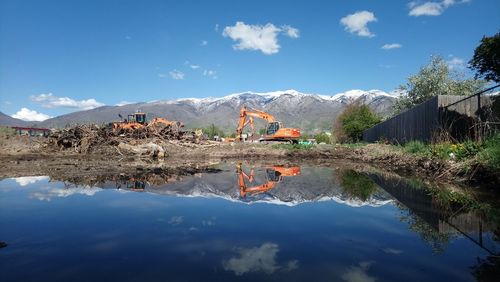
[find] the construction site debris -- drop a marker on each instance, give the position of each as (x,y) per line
(142,141)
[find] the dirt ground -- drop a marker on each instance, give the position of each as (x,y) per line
(22,156)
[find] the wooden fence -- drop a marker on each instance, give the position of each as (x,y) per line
(454,116)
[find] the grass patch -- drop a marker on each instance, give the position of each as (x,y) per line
(354,145)
(490,154)
(416,147)
(293,147)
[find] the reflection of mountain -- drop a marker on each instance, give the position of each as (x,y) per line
(313,185)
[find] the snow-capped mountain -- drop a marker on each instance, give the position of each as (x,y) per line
(307,111)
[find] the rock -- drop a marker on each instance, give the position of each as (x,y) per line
(150,149)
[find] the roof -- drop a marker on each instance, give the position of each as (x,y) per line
(29,128)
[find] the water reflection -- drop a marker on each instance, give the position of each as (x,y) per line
(258,259)
(344,222)
(274,175)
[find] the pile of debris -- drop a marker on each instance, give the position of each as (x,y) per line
(92,138)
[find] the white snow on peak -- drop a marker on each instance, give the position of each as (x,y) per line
(351,95)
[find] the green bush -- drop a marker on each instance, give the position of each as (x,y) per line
(466,150)
(323,138)
(416,147)
(442,150)
(490,155)
(351,123)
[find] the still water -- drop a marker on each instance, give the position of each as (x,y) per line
(242,222)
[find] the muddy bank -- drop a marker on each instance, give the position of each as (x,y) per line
(22,156)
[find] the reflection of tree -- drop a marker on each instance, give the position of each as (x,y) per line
(357,185)
(428,234)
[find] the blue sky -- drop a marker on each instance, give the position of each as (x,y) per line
(62,56)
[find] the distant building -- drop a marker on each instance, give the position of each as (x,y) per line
(31,131)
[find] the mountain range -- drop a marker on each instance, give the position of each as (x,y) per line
(310,112)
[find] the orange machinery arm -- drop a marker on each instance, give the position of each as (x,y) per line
(244,190)
(244,113)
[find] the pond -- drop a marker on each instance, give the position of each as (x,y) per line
(244,222)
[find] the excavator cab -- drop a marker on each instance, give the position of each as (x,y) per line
(137,117)
(273,175)
(272,128)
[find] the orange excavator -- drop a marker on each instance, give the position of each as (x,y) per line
(274,129)
(274,175)
(138,120)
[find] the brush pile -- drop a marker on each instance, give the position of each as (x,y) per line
(91,138)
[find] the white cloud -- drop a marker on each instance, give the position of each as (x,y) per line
(430,8)
(257,259)
(204,43)
(195,67)
(26,180)
(177,75)
(29,115)
(290,31)
(162,75)
(455,63)
(391,46)
(427,9)
(357,23)
(216,28)
(258,37)
(210,73)
(359,273)
(51,101)
(47,194)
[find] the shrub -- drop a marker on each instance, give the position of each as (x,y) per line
(416,147)
(465,150)
(323,138)
(442,150)
(490,155)
(351,123)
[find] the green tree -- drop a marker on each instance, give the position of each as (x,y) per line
(323,138)
(434,79)
(353,120)
(486,59)
(213,130)
(262,131)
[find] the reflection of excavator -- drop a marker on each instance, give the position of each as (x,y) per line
(138,120)
(274,175)
(274,129)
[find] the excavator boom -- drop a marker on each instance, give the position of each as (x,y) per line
(274,174)
(274,130)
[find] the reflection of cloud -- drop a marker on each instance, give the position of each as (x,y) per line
(176,220)
(291,265)
(48,194)
(257,259)
(392,251)
(25,180)
(358,273)
(209,222)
